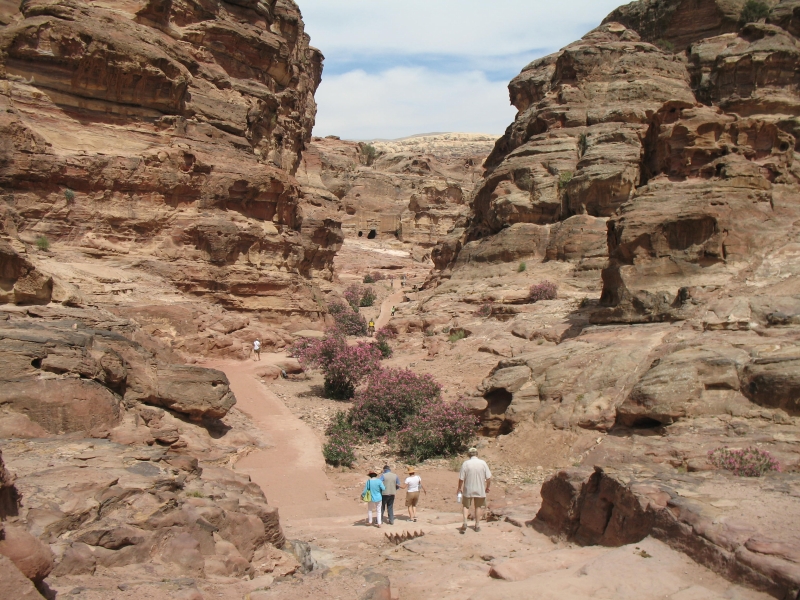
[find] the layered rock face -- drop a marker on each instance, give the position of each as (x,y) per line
(167,134)
(415,189)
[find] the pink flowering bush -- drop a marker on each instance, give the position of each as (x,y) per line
(439,429)
(343,366)
(389,399)
(353,295)
(750,462)
(544,290)
(348,321)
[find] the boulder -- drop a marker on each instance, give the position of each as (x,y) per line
(13,584)
(32,557)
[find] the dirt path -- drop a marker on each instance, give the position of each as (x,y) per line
(386,306)
(292,470)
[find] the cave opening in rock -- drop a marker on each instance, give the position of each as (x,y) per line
(371,235)
(360,234)
(645,423)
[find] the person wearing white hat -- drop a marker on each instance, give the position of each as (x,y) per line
(474,481)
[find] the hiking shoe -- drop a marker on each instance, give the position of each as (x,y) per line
(462,529)
(477,528)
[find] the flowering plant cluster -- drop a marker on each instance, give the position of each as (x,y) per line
(374,277)
(750,462)
(485,309)
(439,429)
(343,366)
(389,399)
(544,290)
(348,321)
(357,295)
(382,337)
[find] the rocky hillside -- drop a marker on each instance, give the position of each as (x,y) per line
(164,136)
(150,215)
(415,190)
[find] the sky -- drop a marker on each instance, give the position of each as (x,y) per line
(395,68)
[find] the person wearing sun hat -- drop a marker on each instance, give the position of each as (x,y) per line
(375,487)
(413,486)
(475,480)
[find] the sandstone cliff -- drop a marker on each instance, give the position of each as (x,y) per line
(166,135)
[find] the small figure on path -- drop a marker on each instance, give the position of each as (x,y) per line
(375,487)
(371,327)
(394,308)
(391,482)
(474,481)
(257,349)
(413,486)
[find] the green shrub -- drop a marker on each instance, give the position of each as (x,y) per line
(348,321)
(42,243)
(382,337)
(564,178)
(665,45)
(69,195)
(485,310)
(521,268)
(430,332)
(368,278)
(338,450)
(752,11)
(458,334)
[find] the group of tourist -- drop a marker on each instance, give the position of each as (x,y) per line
(474,483)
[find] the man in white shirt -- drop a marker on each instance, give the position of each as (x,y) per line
(474,481)
(257,349)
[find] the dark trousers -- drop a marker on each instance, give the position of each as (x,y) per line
(387,505)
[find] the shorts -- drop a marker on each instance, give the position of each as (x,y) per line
(412,498)
(479,502)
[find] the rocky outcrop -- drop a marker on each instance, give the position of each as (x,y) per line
(415,189)
(167,134)
(20,281)
(607,507)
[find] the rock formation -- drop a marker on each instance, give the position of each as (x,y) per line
(166,135)
(414,189)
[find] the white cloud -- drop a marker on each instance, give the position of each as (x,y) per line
(402,101)
(400,67)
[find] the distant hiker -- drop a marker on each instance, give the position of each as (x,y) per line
(394,308)
(283,374)
(474,480)
(372,496)
(257,349)
(413,486)
(391,482)
(371,327)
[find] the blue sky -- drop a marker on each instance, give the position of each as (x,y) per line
(398,67)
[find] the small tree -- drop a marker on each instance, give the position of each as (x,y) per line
(545,290)
(69,195)
(753,11)
(369,153)
(564,178)
(440,429)
(369,278)
(338,450)
(389,399)
(353,295)
(522,266)
(42,243)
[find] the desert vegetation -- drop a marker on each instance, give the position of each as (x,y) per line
(544,290)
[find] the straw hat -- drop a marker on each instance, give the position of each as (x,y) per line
(411,470)
(372,473)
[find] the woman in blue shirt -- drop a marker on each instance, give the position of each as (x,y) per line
(374,486)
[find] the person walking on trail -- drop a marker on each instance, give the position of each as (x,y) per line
(375,488)
(413,486)
(474,482)
(391,482)
(394,308)
(257,350)
(371,327)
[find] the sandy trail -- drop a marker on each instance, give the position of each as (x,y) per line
(386,306)
(292,470)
